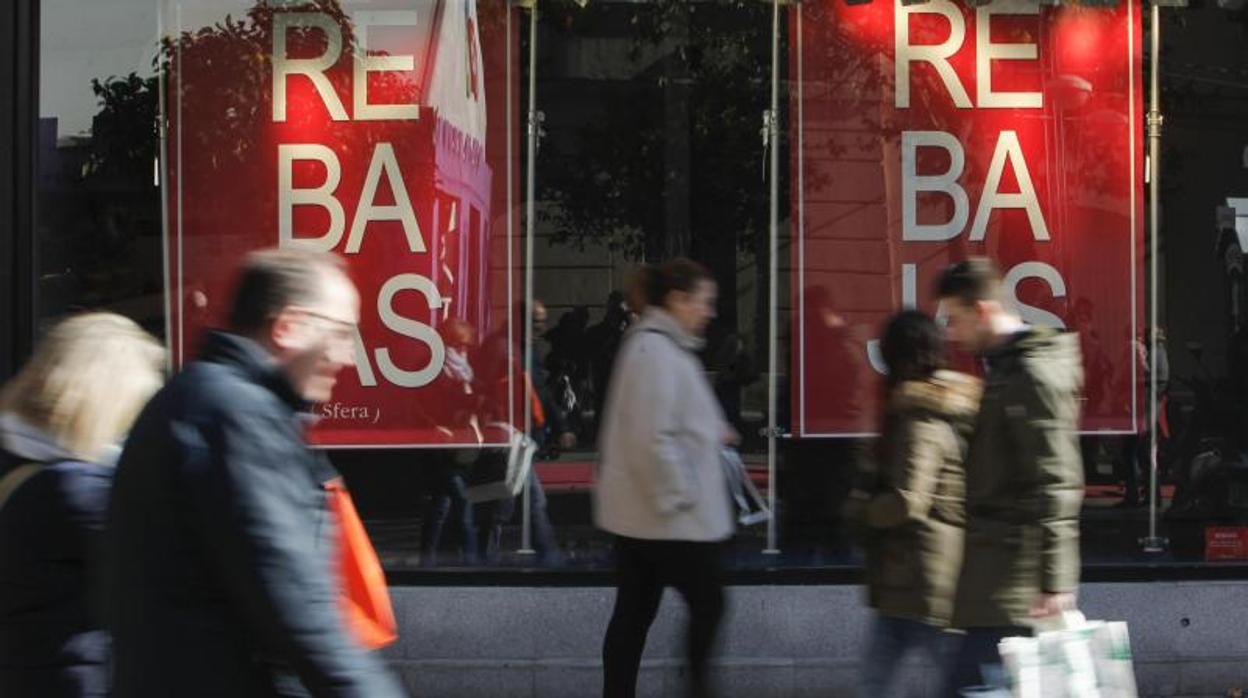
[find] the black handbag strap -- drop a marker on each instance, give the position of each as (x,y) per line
(15,478)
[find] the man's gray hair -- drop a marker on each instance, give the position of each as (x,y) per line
(272,280)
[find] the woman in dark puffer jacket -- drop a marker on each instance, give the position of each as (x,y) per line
(909,510)
(61,421)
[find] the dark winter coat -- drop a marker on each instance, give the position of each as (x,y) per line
(911,519)
(52,638)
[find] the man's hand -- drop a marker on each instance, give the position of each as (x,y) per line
(567,441)
(730,436)
(1048,605)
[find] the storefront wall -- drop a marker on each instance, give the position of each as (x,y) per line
(18,87)
(782,641)
(651,146)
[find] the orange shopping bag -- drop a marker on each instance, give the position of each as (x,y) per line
(365,597)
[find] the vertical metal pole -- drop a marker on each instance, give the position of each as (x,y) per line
(773,126)
(181,206)
(162,121)
(526,517)
(19,88)
(1153,543)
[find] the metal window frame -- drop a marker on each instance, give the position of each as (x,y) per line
(19,87)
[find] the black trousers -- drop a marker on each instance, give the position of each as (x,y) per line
(644,569)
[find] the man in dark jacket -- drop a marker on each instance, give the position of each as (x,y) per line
(1024,476)
(221,543)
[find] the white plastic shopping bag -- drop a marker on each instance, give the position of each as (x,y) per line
(500,472)
(750,505)
(1071,657)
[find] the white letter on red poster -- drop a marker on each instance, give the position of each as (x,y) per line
(986,52)
(288,197)
(312,68)
(368,211)
(936,54)
(912,183)
(412,329)
(1036,270)
(1008,148)
(365,64)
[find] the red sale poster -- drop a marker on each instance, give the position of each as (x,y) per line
(926,133)
(384,132)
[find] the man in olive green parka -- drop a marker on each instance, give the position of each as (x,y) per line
(1024,475)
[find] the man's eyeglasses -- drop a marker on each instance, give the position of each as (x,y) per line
(341,330)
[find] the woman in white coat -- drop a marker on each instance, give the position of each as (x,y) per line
(660,487)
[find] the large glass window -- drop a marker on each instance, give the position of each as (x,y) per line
(99,226)
(166,149)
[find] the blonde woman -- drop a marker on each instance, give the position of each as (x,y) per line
(61,421)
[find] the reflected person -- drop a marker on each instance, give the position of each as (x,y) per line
(548,420)
(455,402)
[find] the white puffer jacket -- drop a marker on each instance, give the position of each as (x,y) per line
(660,477)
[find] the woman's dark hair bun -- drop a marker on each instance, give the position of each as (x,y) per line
(652,284)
